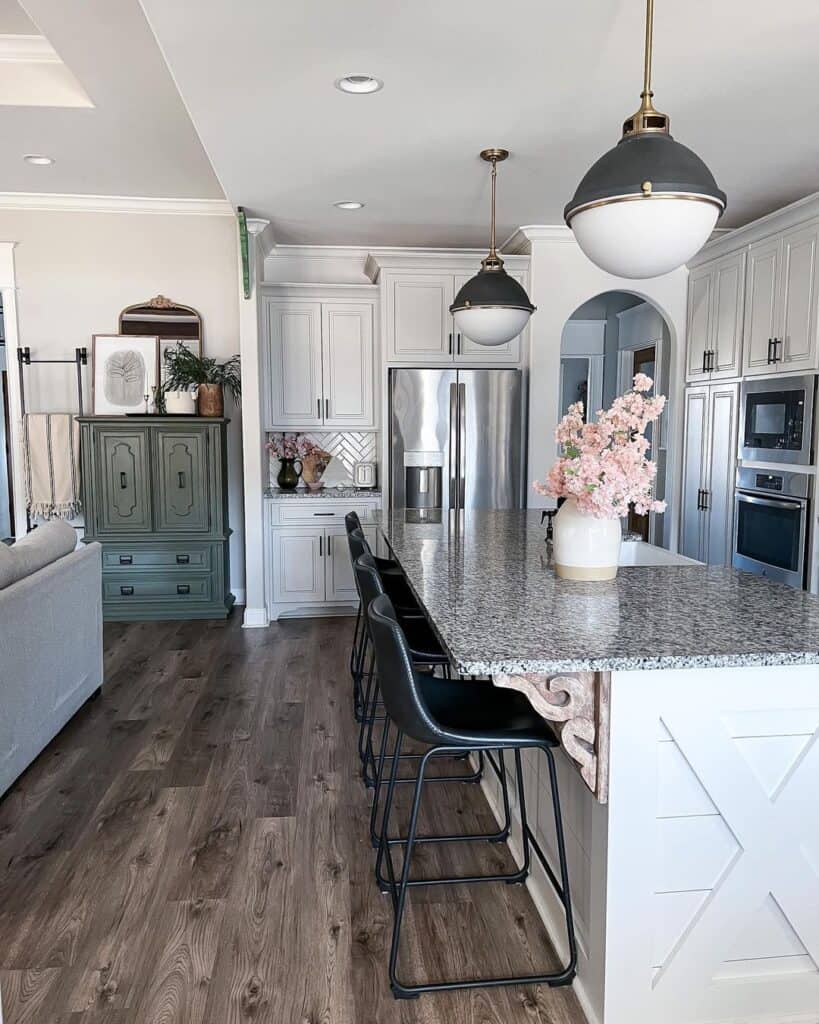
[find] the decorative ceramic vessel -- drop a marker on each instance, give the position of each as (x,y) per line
(312,470)
(585,548)
(288,478)
(180,403)
(211,400)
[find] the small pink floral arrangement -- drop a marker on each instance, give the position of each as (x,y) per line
(604,465)
(295,446)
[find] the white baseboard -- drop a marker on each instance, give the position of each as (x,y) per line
(255,618)
(548,906)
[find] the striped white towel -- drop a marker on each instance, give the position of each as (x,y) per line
(51,442)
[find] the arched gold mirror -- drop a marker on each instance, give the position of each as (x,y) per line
(162,318)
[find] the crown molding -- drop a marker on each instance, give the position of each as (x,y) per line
(256,225)
(733,239)
(547,233)
(60,202)
(27,49)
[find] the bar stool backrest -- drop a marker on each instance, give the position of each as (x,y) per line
(397,678)
(352,522)
(368,580)
(358,545)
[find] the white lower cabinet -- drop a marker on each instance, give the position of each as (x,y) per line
(308,565)
(709,470)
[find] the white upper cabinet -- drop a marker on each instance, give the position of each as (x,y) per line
(781,303)
(347,361)
(419,328)
(715,304)
(319,363)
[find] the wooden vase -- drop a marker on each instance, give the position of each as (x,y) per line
(210,400)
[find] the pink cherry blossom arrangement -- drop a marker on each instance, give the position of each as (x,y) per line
(295,446)
(604,465)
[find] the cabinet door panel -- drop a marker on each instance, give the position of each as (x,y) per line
(347,358)
(298,565)
(182,491)
(694,465)
(728,302)
(700,288)
(467,351)
(419,324)
(126,500)
(798,330)
(722,459)
(340,584)
(764,260)
(293,369)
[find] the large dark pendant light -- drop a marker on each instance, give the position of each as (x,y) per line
(649,204)
(492,307)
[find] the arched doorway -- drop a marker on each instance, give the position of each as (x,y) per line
(605,341)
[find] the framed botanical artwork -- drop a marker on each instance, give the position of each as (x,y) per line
(169,344)
(124,373)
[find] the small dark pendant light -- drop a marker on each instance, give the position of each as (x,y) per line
(492,307)
(649,204)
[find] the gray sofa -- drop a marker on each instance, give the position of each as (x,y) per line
(50,640)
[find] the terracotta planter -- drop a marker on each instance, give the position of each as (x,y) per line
(585,548)
(211,400)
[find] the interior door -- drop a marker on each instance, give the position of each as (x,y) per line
(347,364)
(490,438)
(467,351)
(126,497)
(298,565)
(419,324)
(723,405)
(181,491)
(764,259)
(695,441)
(797,349)
(293,364)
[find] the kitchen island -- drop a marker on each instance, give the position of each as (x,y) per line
(686,698)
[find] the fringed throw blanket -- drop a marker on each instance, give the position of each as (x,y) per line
(51,443)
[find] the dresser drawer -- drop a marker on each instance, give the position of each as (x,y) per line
(176,557)
(317,512)
(137,588)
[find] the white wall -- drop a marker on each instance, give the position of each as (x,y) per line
(562,279)
(75,271)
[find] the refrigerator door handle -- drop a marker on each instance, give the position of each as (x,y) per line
(453,446)
(461,445)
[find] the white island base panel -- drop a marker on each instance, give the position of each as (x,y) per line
(696,888)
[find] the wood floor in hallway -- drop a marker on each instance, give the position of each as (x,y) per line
(193,848)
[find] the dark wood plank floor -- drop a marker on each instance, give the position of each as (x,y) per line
(193,848)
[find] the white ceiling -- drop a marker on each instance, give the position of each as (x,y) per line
(550,81)
(136,140)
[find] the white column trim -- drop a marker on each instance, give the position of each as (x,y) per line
(8,288)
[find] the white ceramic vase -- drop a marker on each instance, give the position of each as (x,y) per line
(180,403)
(585,548)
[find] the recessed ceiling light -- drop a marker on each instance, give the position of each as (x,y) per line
(359,84)
(349,204)
(41,161)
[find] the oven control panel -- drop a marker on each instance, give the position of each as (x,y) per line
(768,482)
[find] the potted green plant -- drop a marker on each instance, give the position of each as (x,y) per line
(185,369)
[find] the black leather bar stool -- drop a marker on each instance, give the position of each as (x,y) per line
(446,715)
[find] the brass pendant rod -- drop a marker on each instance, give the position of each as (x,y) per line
(648,50)
(492,253)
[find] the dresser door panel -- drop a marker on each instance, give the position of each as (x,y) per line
(182,500)
(125,505)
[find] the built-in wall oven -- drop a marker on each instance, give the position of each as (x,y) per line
(771,524)
(777,420)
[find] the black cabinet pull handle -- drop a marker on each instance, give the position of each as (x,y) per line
(324,513)
(123,481)
(770,347)
(327,408)
(183,559)
(126,559)
(183,588)
(321,547)
(776,341)
(318,408)
(699,499)
(126,591)
(705,501)
(711,360)
(450,342)
(459,343)
(180,476)
(704,361)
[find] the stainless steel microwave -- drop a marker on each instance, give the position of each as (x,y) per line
(777,420)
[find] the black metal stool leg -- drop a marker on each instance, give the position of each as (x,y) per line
(564,891)
(384,846)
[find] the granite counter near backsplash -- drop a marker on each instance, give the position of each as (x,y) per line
(324,492)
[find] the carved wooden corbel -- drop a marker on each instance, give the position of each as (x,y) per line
(577,704)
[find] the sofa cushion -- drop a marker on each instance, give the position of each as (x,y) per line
(37,549)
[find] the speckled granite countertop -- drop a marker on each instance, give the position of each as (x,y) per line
(325,492)
(497,605)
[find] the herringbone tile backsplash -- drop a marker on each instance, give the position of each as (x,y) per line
(347,446)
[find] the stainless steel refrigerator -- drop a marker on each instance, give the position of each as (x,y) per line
(456,439)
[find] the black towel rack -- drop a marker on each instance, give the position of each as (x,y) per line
(24,359)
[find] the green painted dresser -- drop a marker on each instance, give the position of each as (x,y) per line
(155,497)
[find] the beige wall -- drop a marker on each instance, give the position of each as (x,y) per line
(76,271)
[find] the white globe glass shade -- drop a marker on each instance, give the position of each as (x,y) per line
(491,325)
(639,238)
